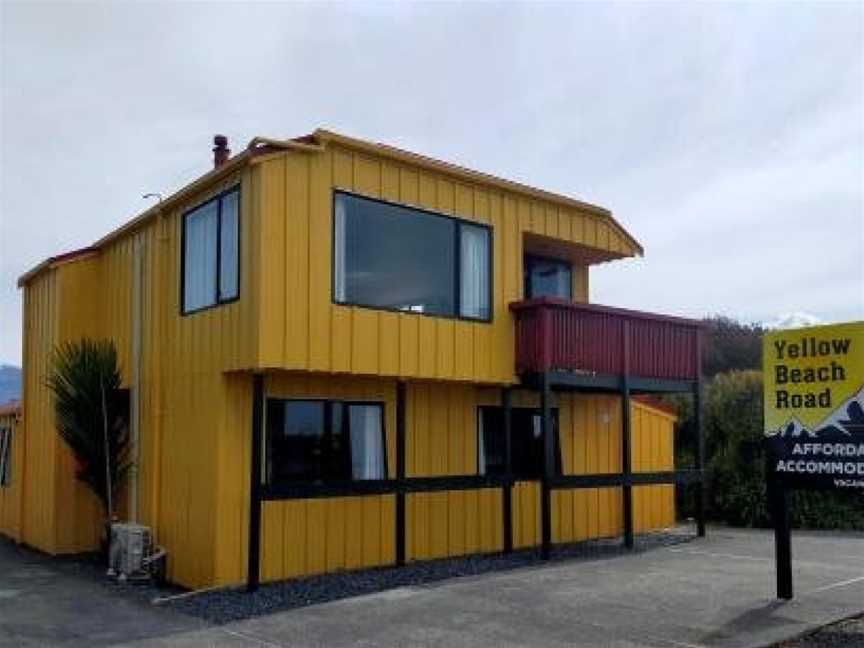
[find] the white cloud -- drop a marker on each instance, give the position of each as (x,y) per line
(727,137)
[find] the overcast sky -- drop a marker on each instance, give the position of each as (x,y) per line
(728,138)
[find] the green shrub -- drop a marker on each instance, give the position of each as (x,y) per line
(735,461)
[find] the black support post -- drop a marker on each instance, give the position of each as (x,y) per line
(626,462)
(700,457)
(626,437)
(400,472)
(548,467)
(253,571)
(507,488)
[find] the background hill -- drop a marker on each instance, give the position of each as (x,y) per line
(10,383)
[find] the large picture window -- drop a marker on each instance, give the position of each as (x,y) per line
(312,441)
(397,258)
(211,253)
(5,456)
(526,445)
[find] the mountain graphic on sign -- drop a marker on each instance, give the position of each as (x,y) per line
(791,429)
(847,419)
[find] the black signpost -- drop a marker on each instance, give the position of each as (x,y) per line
(779,502)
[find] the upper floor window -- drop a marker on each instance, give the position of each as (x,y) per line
(546,277)
(320,440)
(526,442)
(211,252)
(5,456)
(398,258)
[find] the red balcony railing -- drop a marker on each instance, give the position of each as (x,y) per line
(557,335)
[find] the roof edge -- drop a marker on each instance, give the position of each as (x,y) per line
(12,407)
(655,405)
(325,136)
(54,261)
(315,143)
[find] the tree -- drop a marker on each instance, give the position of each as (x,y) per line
(728,344)
(91,413)
(735,462)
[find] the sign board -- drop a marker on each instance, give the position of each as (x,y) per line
(814,406)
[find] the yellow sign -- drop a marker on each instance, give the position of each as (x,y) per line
(814,406)
(812,377)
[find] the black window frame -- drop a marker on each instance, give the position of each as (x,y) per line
(556,442)
(185,217)
(328,416)
(457,260)
(6,456)
(528,262)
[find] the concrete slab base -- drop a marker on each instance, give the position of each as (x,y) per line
(717,591)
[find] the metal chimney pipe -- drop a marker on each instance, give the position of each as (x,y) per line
(221,152)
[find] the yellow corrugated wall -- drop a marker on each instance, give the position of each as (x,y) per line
(79,513)
(192,412)
(313,536)
(590,444)
(188,407)
(10,496)
(305,331)
(38,526)
(653,451)
(194,387)
(441,439)
(303,537)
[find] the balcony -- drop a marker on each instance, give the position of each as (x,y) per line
(592,346)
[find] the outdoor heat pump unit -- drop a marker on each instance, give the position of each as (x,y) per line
(132,553)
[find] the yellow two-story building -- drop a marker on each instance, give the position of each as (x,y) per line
(341,355)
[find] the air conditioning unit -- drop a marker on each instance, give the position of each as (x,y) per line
(130,550)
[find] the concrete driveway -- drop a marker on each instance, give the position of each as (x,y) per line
(48,601)
(712,592)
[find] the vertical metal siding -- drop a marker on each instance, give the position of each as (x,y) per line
(313,536)
(40,334)
(195,398)
(301,329)
(10,495)
(185,440)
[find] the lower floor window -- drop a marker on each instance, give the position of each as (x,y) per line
(5,456)
(322,440)
(526,442)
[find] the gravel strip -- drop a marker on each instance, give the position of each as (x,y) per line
(844,634)
(227,605)
(224,606)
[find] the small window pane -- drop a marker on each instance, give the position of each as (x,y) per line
(526,442)
(367,443)
(547,278)
(5,456)
(199,281)
(296,432)
(492,460)
(474,268)
(229,253)
(313,441)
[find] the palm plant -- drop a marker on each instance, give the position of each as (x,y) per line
(91,414)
